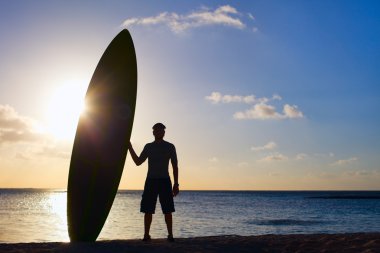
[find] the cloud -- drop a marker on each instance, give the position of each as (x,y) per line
(344,162)
(263,111)
(274,157)
(10,119)
(51,149)
(217,97)
(56,150)
(260,110)
(16,128)
(291,111)
(276,97)
(269,146)
(225,15)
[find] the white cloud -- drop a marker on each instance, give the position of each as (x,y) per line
(261,108)
(259,111)
(292,112)
(264,111)
(217,97)
(226,9)
(269,146)
(344,162)
(225,15)
(274,157)
(238,99)
(16,128)
(10,119)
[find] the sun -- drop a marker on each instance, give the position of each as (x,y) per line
(65,106)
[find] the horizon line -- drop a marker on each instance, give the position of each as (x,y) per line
(208,190)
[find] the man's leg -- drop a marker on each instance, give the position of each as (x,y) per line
(169,223)
(167,205)
(147,223)
(148,205)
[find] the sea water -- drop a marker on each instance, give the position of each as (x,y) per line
(28,215)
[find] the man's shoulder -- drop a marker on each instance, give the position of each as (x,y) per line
(162,144)
(149,144)
(169,144)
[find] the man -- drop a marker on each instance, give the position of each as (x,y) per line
(158,181)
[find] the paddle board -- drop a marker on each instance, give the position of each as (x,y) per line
(101,140)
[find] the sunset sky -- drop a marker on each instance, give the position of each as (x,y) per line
(256,95)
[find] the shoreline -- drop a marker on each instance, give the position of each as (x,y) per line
(350,242)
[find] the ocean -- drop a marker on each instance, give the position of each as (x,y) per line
(31,215)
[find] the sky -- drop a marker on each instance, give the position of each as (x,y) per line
(255,95)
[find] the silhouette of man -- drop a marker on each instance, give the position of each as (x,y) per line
(158,181)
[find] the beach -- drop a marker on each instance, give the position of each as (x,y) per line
(353,242)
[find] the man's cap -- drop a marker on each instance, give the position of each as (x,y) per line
(158,126)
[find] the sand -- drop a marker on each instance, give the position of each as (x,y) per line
(359,242)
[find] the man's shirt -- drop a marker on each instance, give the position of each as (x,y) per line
(159,154)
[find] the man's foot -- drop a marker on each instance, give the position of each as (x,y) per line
(146,238)
(170,238)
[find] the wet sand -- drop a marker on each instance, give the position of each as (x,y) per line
(360,242)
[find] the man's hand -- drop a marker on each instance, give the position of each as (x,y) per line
(175,190)
(138,161)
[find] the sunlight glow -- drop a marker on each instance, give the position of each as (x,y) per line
(57,206)
(65,107)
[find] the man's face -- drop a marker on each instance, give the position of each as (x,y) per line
(159,133)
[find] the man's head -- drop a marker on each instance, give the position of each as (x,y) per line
(159,131)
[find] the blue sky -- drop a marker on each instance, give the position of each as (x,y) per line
(255,94)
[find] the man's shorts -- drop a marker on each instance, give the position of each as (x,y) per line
(161,188)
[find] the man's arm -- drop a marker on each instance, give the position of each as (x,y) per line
(175,175)
(138,160)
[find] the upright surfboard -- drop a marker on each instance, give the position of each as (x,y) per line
(101,141)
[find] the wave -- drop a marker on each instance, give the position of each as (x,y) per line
(284,222)
(346,197)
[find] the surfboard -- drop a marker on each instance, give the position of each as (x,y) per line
(101,141)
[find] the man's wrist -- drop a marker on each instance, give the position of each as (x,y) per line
(176,184)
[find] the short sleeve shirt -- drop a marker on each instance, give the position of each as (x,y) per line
(159,154)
